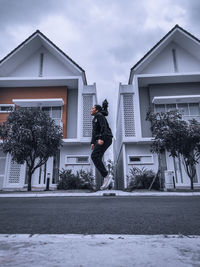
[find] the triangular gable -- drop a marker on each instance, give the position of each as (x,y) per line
(29,47)
(51,66)
(164,63)
(177,35)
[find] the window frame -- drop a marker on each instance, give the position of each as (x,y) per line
(188,106)
(151,162)
(6,105)
(76,162)
(50,113)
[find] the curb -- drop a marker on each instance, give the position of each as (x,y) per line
(112,193)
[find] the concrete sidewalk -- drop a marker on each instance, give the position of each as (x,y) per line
(99,250)
(75,193)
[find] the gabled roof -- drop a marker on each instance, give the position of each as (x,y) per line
(152,50)
(36,33)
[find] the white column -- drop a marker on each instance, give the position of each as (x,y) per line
(80,110)
(124,165)
(136,101)
(122,110)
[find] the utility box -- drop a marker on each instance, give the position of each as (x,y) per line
(169,180)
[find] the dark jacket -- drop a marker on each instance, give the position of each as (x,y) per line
(100,128)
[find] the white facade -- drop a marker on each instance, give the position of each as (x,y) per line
(37,62)
(167,76)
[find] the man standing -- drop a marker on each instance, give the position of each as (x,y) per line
(101,140)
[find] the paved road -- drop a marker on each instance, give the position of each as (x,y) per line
(100,215)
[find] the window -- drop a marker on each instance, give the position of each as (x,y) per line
(82,159)
(47,110)
(187,109)
(74,160)
(55,113)
(170,107)
(159,108)
(141,159)
(71,160)
(6,108)
(135,159)
(194,108)
(183,108)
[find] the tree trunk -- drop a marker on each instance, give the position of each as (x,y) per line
(192,175)
(191,172)
(29,180)
(162,166)
(191,183)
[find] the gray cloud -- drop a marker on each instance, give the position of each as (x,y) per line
(25,11)
(128,49)
(192,15)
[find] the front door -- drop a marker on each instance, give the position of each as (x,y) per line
(2,168)
(181,177)
(178,171)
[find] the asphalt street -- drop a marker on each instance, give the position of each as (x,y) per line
(100,215)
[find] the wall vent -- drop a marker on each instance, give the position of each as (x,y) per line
(87,118)
(14,173)
(129,127)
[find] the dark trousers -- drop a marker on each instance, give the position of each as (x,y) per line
(98,153)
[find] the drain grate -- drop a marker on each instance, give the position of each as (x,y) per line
(109,194)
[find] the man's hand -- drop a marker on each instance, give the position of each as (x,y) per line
(92,146)
(100,142)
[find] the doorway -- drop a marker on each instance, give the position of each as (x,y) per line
(178,170)
(2,168)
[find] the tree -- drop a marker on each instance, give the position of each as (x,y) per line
(31,136)
(177,136)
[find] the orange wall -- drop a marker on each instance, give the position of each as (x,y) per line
(7,94)
(3,117)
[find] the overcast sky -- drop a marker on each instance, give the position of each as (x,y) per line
(105,37)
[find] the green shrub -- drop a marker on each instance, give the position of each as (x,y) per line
(86,179)
(81,180)
(67,180)
(141,179)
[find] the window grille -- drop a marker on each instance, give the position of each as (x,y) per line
(14,173)
(129,126)
(187,109)
(87,118)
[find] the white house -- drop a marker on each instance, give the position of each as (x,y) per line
(167,77)
(38,73)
